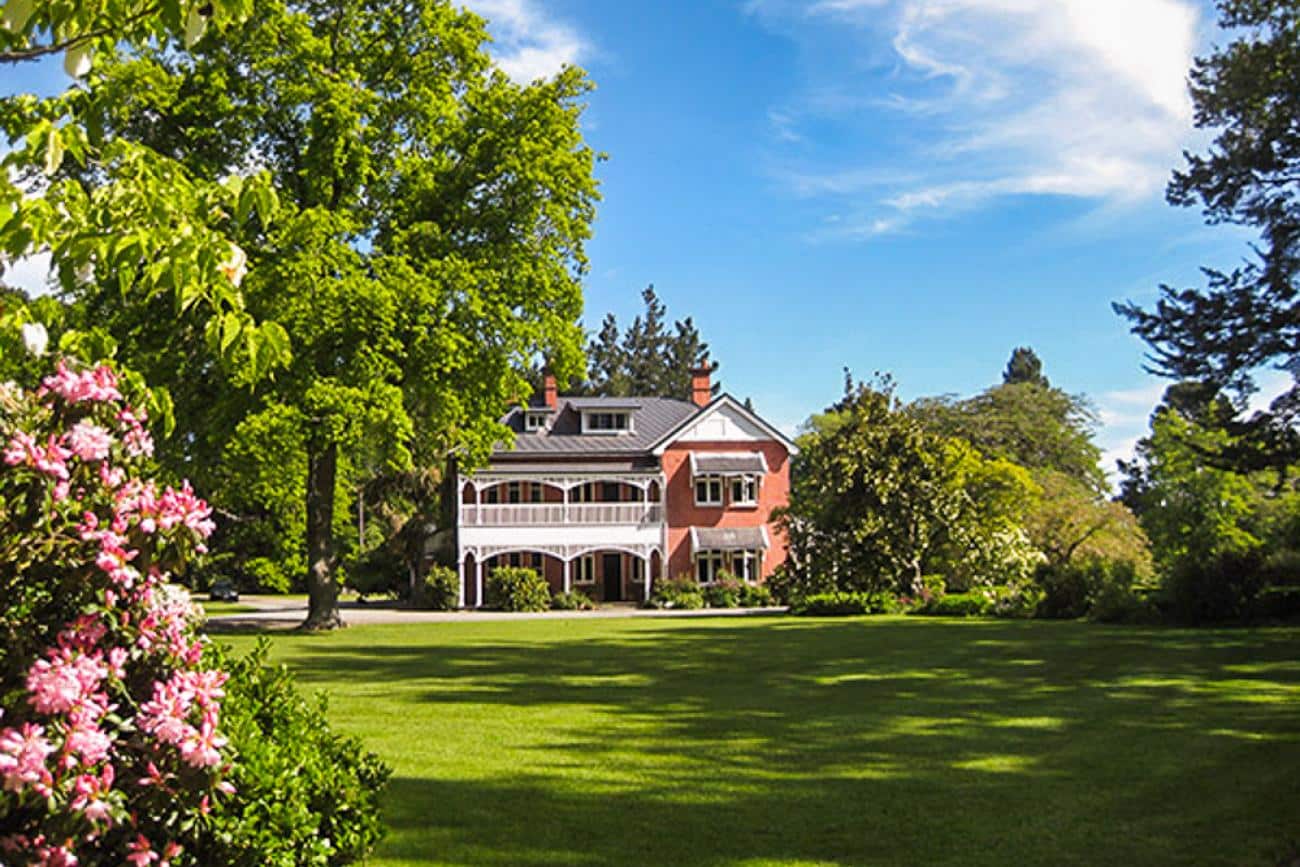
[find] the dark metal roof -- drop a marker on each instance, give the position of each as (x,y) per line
(728,538)
(652,417)
(530,466)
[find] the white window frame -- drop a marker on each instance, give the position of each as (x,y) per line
(740,483)
(590,425)
(514,493)
(752,560)
(534,421)
(586,571)
(717,561)
(713,482)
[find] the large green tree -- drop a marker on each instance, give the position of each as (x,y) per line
(878,500)
(427,242)
(1247,318)
(1038,427)
(119,209)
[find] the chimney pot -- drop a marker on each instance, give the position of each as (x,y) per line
(549,391)
(701,386)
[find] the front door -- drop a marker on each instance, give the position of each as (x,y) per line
(612,569)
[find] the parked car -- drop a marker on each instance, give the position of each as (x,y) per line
(223,591)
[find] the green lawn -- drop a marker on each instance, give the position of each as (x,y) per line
(219,609)
(782,741)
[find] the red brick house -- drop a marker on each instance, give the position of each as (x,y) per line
(607,495)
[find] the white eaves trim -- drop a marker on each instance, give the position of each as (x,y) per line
(722,400)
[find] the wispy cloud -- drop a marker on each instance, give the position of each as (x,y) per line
(529,43)
(994,98)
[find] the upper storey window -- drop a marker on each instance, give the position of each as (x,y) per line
(535,421)
(606,422)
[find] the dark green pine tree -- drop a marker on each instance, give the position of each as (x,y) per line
(1024,366)
(686,349)
(645,345)
(647,360)
(606,362)
(1248,318)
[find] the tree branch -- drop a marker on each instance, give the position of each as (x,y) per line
(24,54)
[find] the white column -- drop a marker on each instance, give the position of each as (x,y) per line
(566,576)
(460,584)
(478,582)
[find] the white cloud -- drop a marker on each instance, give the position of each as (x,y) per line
(527,43)
(1077,98)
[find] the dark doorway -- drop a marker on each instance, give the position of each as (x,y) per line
(612,569)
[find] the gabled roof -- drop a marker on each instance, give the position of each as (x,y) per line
(719,402)
(656,423)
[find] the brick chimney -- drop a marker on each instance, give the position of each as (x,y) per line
(701,387)
(550,394)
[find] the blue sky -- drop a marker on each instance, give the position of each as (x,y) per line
(912,186)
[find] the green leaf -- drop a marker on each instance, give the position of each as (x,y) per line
(53,150)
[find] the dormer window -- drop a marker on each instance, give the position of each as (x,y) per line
(535,421)
(605,422)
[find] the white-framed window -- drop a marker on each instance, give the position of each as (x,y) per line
(607,422)
(744,564)
(586,569)
(534,421)
(513,492)
(638,569)
(707,566)
(708,491)
(744,491)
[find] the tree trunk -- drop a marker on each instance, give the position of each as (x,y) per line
(322,586)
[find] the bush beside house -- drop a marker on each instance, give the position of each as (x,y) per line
(515,589)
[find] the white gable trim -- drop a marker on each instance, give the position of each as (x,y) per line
(717,404)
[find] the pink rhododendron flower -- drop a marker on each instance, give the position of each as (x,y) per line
(90,792)
(135,438)
(98,384)
(21,449)
(63,680)
(22,758)
(87,740)
(88,441)
(141,853)
(111,477)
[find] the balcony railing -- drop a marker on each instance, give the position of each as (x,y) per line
(534,514)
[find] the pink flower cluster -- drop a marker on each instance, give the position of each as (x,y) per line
(135,438)
(89,441)
(167,715)
(69,749)
(99,384)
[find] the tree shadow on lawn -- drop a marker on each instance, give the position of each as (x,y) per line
(879,741)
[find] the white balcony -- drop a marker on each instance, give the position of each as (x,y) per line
(561,514)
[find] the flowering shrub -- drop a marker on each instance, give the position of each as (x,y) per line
(113,748)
